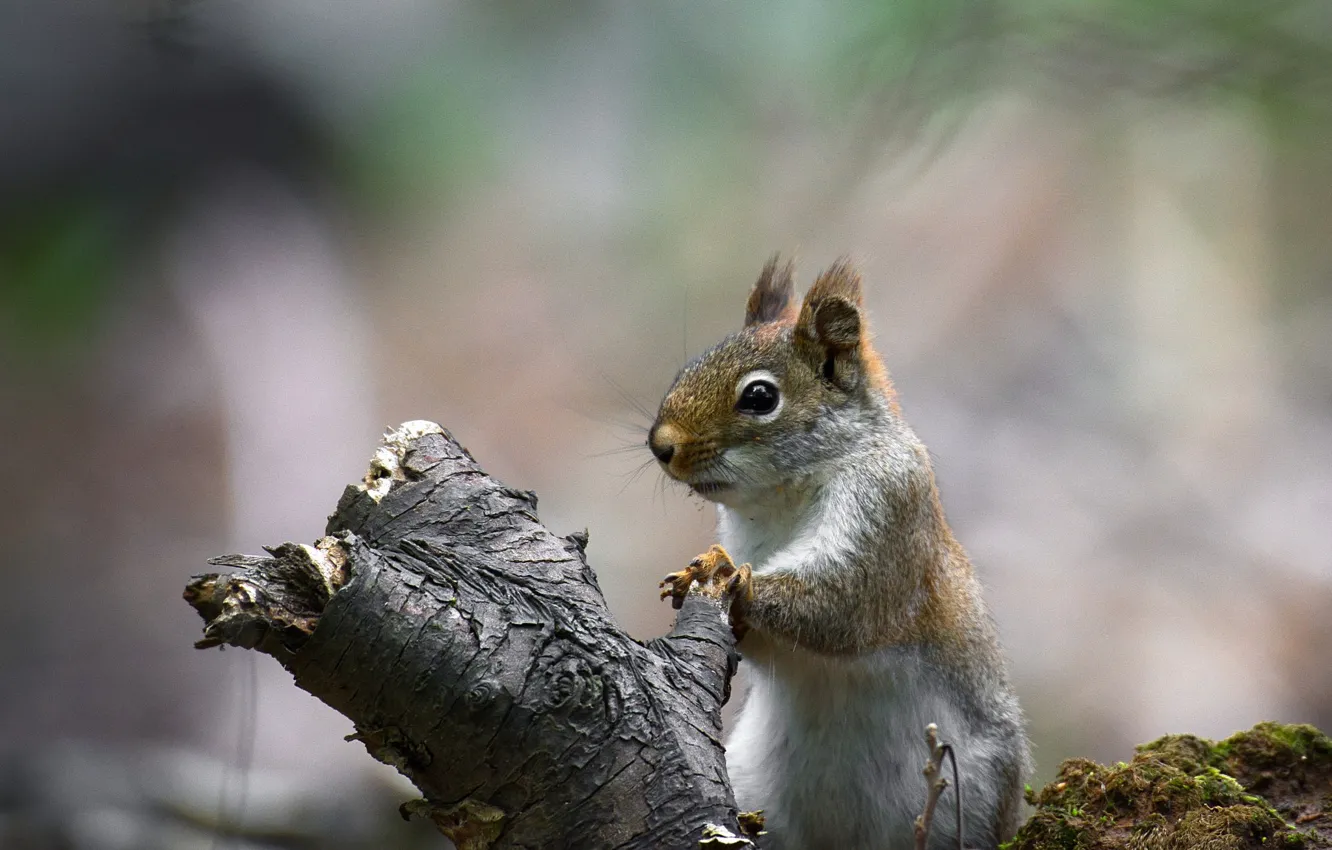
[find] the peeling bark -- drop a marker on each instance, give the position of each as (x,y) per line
(474,652)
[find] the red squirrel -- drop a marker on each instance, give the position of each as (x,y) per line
(860,616)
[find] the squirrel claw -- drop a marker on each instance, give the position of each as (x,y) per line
(676,587)
(705,570)
(716,575)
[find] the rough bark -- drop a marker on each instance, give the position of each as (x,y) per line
(474,652)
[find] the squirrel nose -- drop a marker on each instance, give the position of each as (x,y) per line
(662,449)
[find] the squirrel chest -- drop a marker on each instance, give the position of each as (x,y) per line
(753,528)
(818,733)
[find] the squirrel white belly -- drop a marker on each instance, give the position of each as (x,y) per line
(862,620)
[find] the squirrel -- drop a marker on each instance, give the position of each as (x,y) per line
(861,620)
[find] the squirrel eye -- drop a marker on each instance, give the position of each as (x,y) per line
(758,397)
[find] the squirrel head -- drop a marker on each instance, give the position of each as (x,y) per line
(781,400)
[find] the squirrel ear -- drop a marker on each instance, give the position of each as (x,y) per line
(773,295)
(830,317)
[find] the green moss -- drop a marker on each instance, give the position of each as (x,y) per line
(1182,791)
(1187,752)
(1273,745)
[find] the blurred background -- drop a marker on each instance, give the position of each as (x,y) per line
(238,239)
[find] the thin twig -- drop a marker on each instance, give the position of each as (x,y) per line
(936,784)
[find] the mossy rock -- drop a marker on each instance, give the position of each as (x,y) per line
(1269,787)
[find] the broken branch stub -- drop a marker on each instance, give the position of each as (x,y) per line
(474,652)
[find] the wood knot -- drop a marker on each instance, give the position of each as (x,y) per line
(576,688)
(480,695)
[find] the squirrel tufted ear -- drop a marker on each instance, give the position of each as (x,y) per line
(830,316)
(773,295)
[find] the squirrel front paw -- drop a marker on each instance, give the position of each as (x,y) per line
(710,571)
(717,577)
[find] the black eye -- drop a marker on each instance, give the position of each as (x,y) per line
(758,397)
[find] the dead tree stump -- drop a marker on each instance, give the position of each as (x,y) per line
(474,652)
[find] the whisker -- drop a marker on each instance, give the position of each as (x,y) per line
(633,475)
(623,426)
(662,481)
(630,426)
(630,448)
(634,404)
(605,418)
(734,472)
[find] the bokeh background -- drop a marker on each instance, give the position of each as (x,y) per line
(239,238)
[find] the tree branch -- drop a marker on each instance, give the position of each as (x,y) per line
(474,652)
